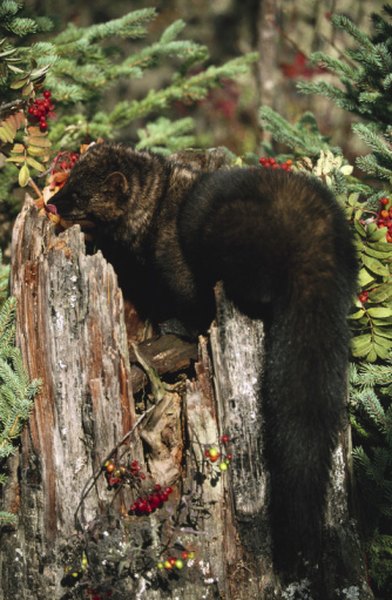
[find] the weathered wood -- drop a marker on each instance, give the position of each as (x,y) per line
(167,354)
(72,334)
(237,351)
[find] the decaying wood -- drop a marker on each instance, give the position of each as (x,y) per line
(167,354)
(73,336)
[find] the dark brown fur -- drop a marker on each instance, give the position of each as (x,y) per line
(282,247)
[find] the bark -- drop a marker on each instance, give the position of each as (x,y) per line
(71,528)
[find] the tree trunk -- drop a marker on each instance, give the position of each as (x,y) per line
(75,538)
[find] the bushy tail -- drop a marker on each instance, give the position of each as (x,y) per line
(304,394)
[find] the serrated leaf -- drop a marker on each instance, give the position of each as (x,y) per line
(16,159)
(385,332)
(386,322)
(5,135)
(361,345)
(381,293)
(358,314)
(18,149)
(382,341)
(375,253)
(19,83)
(14,69)
(382,246)
(360,229)
(42,141)
(353,198)
(372,355)
(24,176)
(364,278)
(378,234)
(38,73)
(6,53)
(381,351)
(380,312)
(374,265)
(33,130)
(35,164)
(35,151)
(9,128)
(28,89)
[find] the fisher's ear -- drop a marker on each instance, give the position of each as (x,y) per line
(116,182)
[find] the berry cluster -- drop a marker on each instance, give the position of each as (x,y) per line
(40,110)
(176,562)
(269,162)
(64,161)
(363,297)
(116,475)
(145,505)
(214,454)
(384,217)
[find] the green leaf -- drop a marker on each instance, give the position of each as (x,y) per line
(365,278)
(5,134)
(379,234)
(19,83)
(360,229)
(381,351)
(35,164)
(35,151)
(382,247)
(16,159)
(358,314)
(375,253)
(381,293)
(374,265)
(24,176)
(372,355)
(385,332)
(38,140)
(361,345)
(382,341)
(380,312)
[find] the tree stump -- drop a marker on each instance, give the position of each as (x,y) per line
(75,538)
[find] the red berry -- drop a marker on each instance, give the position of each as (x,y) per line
(384,201)
(363,296)
(47,93)
(225,439)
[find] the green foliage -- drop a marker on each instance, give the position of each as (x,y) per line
(371,388)
(365,74)
(365,71)
(164,137)
(303,138)
(80,66)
